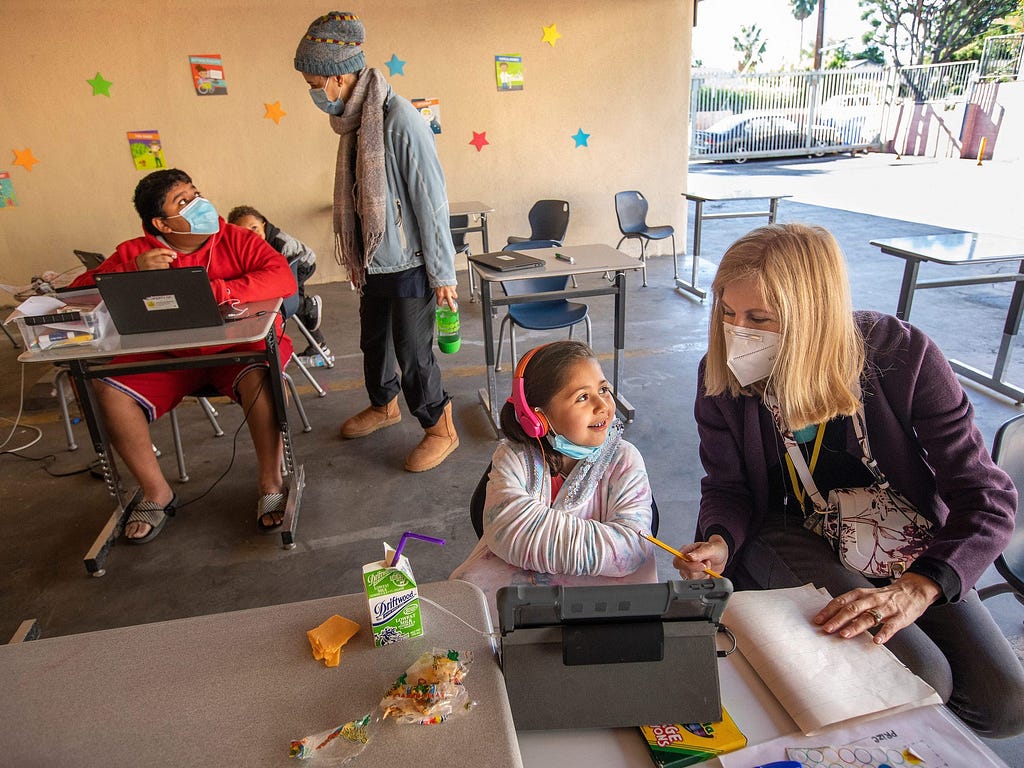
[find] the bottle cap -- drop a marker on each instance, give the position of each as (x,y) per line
(449,347)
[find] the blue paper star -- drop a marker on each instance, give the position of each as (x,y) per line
(395,65)
(581,138)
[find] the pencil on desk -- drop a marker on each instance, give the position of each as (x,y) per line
(677,553)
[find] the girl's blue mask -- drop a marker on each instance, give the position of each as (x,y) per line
(319,96)
(201,217)
(573,451)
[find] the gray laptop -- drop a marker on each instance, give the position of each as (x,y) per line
(159,300)
(507,261)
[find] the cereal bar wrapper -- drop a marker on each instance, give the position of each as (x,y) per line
(335,746)
(431,690)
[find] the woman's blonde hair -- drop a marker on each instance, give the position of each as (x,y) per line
(801,274)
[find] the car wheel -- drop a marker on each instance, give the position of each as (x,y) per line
(819,149)
(742,151)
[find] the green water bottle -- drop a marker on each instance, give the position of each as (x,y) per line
(448,338)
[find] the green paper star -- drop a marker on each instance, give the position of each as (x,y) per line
(100,87)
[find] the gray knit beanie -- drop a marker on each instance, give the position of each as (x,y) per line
(333,45)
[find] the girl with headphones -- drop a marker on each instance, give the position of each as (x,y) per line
(566,493)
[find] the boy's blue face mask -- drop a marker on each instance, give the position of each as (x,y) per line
(319,96)
(571,449)
(201,217)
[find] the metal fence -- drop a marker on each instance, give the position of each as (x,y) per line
(1002,58)
(739,116)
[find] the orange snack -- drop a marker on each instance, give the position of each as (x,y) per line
(328,639)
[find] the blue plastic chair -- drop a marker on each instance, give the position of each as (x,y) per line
(1008,453)
(539,315)
(549,220)
(631,211)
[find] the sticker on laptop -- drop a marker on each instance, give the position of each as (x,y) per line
(166,301)
(506,258)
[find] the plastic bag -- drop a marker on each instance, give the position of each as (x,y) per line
(431,690)
(337,745)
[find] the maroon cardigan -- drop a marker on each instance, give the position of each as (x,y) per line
(922,433)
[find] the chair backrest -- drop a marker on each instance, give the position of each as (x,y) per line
(1008,453)
(549,220)
(459,238)
(476,506)
(536,285)
(525,245)
(631,211)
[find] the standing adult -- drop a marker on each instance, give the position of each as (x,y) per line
(391,231)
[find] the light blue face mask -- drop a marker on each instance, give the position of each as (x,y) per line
(201,217)
(319,96)
(573,451)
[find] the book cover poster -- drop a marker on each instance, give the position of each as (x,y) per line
(7,196)
(147,151)
(508,71)
(208,75)
(430,110)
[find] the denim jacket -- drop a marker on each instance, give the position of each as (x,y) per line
(418,228)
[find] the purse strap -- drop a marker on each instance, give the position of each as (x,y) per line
(800,464)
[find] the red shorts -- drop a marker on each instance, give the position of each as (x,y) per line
(160,391)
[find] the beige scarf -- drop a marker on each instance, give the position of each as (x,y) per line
(360,181)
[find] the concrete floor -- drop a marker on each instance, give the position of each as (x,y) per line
(209,559)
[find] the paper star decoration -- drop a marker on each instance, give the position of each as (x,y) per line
(581,138)
(550,35)
(479,140)
(395,65)
(25,158)
(100,87)
(274,112)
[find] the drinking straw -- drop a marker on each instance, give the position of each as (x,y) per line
(410,535)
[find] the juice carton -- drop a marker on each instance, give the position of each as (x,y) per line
(392,599)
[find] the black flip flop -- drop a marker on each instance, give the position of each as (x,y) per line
(152,514)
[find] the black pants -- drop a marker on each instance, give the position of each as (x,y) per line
(398,335)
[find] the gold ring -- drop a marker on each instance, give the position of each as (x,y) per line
(874,614)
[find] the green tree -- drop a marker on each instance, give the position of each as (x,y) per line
(801,10)
(750,46)
(929,31)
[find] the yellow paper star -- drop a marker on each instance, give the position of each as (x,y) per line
(274,112)
(25,158)
(550,35)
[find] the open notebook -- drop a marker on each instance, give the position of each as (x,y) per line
(821,680)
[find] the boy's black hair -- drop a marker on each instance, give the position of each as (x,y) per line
(151,193)
(245,210)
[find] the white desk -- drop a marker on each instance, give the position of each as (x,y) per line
(87,362)
(587,259)
(236,688)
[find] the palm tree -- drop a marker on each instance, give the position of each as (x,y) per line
(801,10)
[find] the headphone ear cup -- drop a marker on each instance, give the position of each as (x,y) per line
(542,424)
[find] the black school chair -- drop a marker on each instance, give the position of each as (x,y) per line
(1008,453)
(549,220)
(631,211)
(476,506)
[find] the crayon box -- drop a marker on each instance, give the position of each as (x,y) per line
(677,745)
(392,599)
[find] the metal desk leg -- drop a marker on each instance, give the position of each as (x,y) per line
(296,478)
(489,397)
(906,300)
(628,411)
(691,287)
(773,210)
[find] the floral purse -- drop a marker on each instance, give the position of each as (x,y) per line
(876,531)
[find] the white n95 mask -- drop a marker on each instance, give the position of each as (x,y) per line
(750,354)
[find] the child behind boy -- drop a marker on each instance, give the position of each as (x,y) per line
(301,259)
(566,494)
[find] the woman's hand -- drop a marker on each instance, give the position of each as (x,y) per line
(446,294)
(158,258)
(712,554)
(890,608)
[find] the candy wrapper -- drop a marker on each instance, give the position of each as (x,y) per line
(336,746)
(430,691)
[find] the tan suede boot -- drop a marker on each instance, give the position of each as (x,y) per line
(438,442)
(371,419)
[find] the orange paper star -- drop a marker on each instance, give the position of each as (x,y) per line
(25,158)
(274,112)
(479,140)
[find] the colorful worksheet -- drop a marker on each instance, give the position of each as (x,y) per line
(208,74)
(7,197)
(147,151)
(508,71)
(430,110)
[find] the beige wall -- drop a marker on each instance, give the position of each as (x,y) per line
(620,72)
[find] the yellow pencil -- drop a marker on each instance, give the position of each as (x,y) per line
(677,553)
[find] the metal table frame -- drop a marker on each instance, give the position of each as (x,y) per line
(92,362)
(958,249)
(588,259)
(473,208)
(699,217)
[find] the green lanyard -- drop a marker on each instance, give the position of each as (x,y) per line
(797,490)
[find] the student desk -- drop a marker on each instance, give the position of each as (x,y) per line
(957,249)
(473,208)
(587,259)
(699,217)
(235,689)
(87,362)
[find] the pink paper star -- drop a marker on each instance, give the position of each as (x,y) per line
(479,140)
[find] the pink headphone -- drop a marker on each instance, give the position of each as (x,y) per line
(533,422)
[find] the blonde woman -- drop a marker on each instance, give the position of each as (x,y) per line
(787,353)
